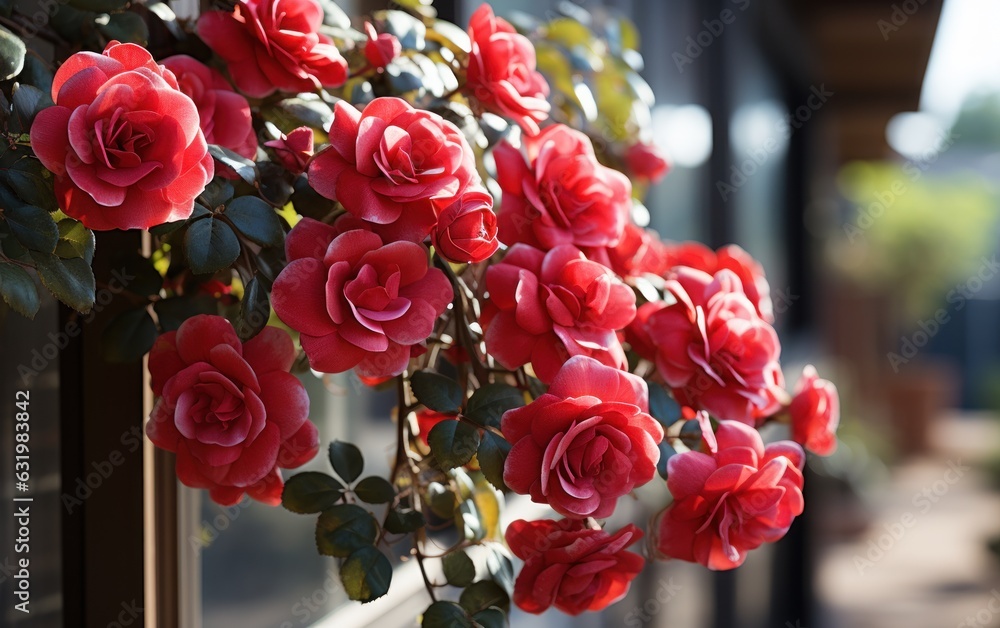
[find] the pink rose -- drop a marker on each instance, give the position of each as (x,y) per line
(645,161)
(294,150)
(124,143)
(466,231)
(381,48)
(584,443)
(731,500)
(571,566)
(713,349)
(544,308)
(274,45)
(560,194)
(731,257)
(225,115)
(231,411)
(501,75)
(393,166)
(815,412)
(357,301)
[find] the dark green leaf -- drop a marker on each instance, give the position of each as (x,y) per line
(437,392)
(145,279)
(27,101)
(491,617)
(29,180)
(344,528)
(453,443)
(500,566)
(70,280)
(444,614)
(308,201)
(366,574)
(175,310)
(255,310)
(33,227)
(12,53)
(483,595)
(489,402)
(308,110)
(375,490)
(403,522)
(217,193)
(167,228)
(128,336)
(459,569)
(36,74)
(347,460)
(311,491)
(256,220)
(125,27)
(75,240)
(18,290)
(666,451)
(690,434)
(99,6)
(442,501)
(408,30)
(492,454)
(211,245)
(662,406)
(245,168)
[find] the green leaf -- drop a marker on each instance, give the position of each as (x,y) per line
(491,617)
(366,574)
(128,336)
(12,53)
(437,392)
(256,220)
(125,27)
(445,614)
(491,455)
(310,492)
(18,290)
(175,310)
(483,595)
(217,193)
(662,406)
(345,528)
(33,227)
(32,183)
(666,451)
(308,201)
(453,443)
(308,110)
(255,310)
(459,569)
(167,228)
(375,490)
(245,168)
(489,402)
(347,460)
(210,245)
(690,434)
(28,101)
(146,280)
(75,240)
(402,522)
(70,280)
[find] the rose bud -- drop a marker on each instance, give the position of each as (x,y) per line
(815,412)
(645,161)
(381,48)
(466,231)
(294,150)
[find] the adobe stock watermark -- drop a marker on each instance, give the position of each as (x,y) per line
(211,530)
(898,17)
(131,614)
(923,502)
(785,126)
(714,28)
(307,607)
(641,615)
(984,616)
(910,346)
(131,441)
(913,170)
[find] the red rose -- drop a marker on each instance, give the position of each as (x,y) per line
(466,231)
(393,166)
(639,252)
(501,74)
(294,150)
(561,194)
(714,350)
(731,500)
(571,566)
(357,301)
(732,257)
(544,308)
(123,141)
(231,411)
(381,48)
(274,45)
(645,161)
(815,412)
(585,442)
(225,115)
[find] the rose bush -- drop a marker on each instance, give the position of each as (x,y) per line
(231,411)
(547,307)
(361,302)
(731,500)
(124,143)
(571,566)
(274,45)
(393,166)
(585,443)
(815,413)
